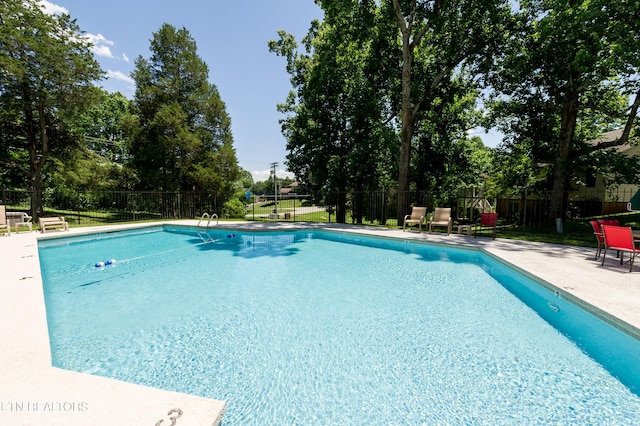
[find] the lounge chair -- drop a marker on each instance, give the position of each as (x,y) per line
(49,223)
(418,215)
(597,231)
(614,222)
(487,220)
(619,238)
(4,224)
(19,219)
(441,217)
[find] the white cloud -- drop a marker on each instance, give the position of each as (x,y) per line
(100,45)
(52,8)
(262,175)
(98,39)
(104,51)
(119,75)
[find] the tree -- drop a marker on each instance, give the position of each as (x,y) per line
(247,179)
(336,135)
(98,162)
(565,69)
(46,75)
(438,37)
(180,137)
(352,98)
(103,126)
(442,153)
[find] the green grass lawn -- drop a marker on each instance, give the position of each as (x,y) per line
(576,232)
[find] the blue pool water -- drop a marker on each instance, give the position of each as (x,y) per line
(320,328)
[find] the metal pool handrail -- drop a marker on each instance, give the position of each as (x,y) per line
(210,218)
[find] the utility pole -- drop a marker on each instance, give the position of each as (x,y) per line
(275,188)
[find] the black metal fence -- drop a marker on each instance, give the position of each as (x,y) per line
(527,209)
(524,209)
(92,208)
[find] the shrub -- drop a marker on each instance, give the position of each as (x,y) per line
(234,209)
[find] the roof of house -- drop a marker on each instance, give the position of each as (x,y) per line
(610,137)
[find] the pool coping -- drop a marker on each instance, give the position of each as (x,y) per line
(34,392)
(558,289)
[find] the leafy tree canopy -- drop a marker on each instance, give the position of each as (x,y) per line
(566,75)
(46,80)
(180,137)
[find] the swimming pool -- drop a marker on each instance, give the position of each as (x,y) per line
(325,328)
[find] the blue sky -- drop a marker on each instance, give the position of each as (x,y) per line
(232,39)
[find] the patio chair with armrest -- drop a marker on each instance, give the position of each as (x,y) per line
(487,220)
(619,238)
(441,217)
(418,215)
(597,231)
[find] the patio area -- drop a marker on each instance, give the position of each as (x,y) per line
(35,393)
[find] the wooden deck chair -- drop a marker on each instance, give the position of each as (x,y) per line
(4,224)
(619,238)
(441,217)
(487,220)
(418,215)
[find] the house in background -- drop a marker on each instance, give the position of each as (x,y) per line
(290,191)
(612,200)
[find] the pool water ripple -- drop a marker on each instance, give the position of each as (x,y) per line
(335,333)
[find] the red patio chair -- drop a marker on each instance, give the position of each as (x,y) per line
(597,231)
(614,222)
(487,220)
(619,238)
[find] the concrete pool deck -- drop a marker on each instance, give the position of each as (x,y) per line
(32,392)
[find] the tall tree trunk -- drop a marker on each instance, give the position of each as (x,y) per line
(36,133)
(36,195)
(406,132)
(404,161)
(341,206)
(39,162)
(558,204)
(410,106)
